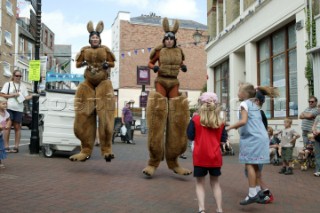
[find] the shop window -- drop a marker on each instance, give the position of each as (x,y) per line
(277,67)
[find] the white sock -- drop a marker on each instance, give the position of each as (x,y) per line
(252,191)
(258,188)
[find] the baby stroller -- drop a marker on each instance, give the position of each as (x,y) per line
(226,148)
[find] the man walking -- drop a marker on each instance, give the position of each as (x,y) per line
(127,120)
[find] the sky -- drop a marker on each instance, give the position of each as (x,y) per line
(68,18)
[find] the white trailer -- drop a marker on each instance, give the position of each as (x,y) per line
(58,109)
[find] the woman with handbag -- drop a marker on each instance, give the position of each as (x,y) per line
(16,93)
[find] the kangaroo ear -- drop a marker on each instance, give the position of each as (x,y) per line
(165,25)
(90,27)
(175,27)
(100,27)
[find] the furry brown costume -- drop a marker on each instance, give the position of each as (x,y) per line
(94,97)
(167,109)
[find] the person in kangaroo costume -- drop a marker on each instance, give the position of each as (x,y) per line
(167,109)
(94,97)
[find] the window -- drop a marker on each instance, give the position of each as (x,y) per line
(21,46)
(221,86)
(46,38)
(51,41)
(6,69)
(277,67)
(9,8)
(7,38)
(25,75)
(30,50)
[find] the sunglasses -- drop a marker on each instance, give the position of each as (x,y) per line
(18,76)
(311,102)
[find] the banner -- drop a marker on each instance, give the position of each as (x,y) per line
(34,70)
(53,77)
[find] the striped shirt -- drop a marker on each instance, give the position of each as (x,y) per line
(307,124)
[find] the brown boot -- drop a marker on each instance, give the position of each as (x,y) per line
(156,114)
(176,133)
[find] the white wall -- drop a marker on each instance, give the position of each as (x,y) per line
(239,46)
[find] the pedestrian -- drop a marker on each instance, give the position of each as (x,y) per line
(5,123)
(308,116)
(127,121)
(16,93)
(264,193)
(207,130)
(254,141)
(288,139)
(316,132)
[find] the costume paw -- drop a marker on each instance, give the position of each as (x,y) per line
(182,171)
(79,157)
(108,157)
(149,170)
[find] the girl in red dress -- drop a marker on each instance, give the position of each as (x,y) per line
(207,130)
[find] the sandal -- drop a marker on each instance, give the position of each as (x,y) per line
(15,150)
(2,166)
(7,149)
(202,211)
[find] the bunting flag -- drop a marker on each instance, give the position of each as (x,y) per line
(136,52)
(122,54)
(142,50)
(129,53)
(149,49)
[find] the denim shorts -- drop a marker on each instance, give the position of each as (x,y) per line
(203,171)
(15,116)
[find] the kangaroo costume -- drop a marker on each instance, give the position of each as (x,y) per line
(167,109)
(94,97)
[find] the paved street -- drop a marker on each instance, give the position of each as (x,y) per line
(32,183)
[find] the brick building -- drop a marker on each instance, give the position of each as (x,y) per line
(132,41)
(7,39)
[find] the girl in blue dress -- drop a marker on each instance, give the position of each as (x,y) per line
(254,141)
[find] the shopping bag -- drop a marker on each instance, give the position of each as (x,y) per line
(123,130)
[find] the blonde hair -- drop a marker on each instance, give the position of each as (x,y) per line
(288,120)
(210,115)
(3,99)
(270,129)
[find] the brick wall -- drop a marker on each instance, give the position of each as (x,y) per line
(7,52)
(137,36)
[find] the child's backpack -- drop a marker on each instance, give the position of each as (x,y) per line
(265,196)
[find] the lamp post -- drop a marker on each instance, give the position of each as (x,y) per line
(197,36)
(34,146)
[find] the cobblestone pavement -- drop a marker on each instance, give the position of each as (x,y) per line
(33,183)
